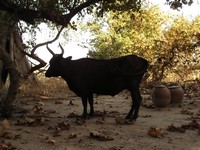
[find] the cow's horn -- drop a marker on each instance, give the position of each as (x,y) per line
(50,50)
(62,49)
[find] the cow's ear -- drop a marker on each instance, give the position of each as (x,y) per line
(69,58)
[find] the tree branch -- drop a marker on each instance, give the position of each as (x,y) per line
(35,57)
(30,15)
(81,7)
(48,42)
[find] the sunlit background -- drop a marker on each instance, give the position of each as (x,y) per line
(74,38)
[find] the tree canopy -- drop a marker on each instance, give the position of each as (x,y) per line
(170,43)
(61,11)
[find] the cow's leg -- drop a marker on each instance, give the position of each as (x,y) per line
(91,102)
(84,102)
(136,100)
(129,116)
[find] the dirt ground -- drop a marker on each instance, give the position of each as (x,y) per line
(50,123)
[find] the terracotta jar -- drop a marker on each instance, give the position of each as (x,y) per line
(161,96)
(177,93)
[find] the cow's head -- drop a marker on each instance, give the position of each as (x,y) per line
(54,69)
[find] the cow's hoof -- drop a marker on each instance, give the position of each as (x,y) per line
(91,115)
(84,116)
(129,121)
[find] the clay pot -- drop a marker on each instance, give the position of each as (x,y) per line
(177,94)
(161,96)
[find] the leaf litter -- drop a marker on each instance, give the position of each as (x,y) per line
(100,136)
(6,133)
(63,126)
(156,132)
(97,135)
(181,129)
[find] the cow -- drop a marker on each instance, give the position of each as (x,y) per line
(88,76)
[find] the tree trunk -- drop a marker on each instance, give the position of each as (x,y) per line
(15,63)
(7,101)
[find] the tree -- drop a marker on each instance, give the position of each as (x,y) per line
(149,33)
(182,43)
(126,33)
(178,4)
(58,12)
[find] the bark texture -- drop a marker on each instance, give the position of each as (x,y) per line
(14,63)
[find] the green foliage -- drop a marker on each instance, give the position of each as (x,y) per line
(184,36)
(58,12)
(170,44)
(177,4)
(127,33)
(63,7)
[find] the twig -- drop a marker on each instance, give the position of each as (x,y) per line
(48,42)
(35,57)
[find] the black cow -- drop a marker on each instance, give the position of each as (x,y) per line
(87,76)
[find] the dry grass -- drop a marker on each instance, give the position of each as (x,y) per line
(43,87)
(56,87)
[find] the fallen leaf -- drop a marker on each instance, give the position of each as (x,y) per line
(40,104)
(37,109)
(9,135)
(5,124)
(27,121)
(51,141)
(186,112)
(56,133)
(100,120)
(20,123)
(71,103)
(72,136)
(119,120)
(99,136)
(192,125)
(149,106)
(196,116)
(58,102)
(114,148)
(154,132)
(80,121)
(146,116)
(42,120)
(7,146)
(63,126)
(172,128)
